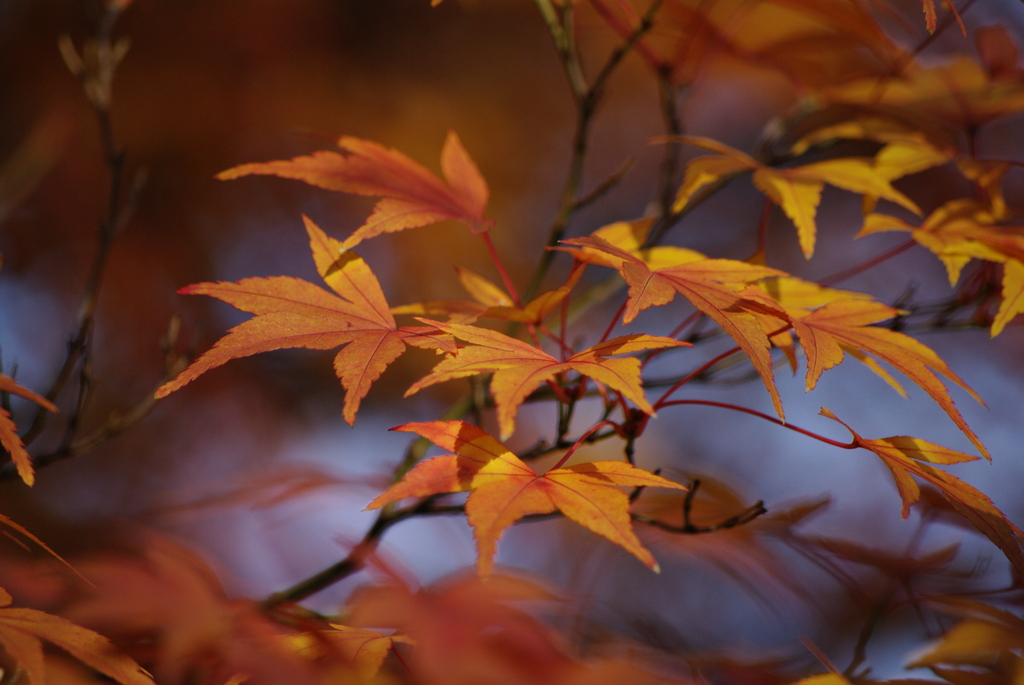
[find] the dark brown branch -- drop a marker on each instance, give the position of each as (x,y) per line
(174,363)
(95,72)
(587,98)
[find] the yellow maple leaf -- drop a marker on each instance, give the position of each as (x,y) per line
(797,190)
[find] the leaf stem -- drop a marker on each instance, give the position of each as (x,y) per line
(614,321)
(675,331)
(559,392)
(582,439)
(864,266)
(762,230)
(753,412)
(693,374)
(493,252)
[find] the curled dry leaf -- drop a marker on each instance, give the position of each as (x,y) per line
(504,489)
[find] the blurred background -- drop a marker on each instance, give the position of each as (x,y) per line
(252,468)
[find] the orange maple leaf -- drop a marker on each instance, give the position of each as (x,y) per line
(519,367)
(906,456)
(844,326)
(9,437)
(22,632)
(963,229)
(931,15)
(364,649)
(788,37)
(467,630)
(504,489)
(796,189)
(291,312)
(961,95)
(711,285)
(986,642)
(413,196)
(490,302)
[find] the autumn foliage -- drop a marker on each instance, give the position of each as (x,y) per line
(617,326)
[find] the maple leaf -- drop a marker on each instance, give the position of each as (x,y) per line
(824,679)
(291,312)
(519,367)
(504,489)
(998,52)
(961,95)
(796,189)
(975,644)
(630,236)
(963,229)
(843,326)
(711,285)
(413,196)
(467,630)
(810,42)
(490,301)
(906,456)
(905,150)
(931,15)
(874,127)
(22,632)
(986,644)
(9,437)
(798,298)
(364,649)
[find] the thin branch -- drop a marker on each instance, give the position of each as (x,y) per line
(605,186)
(646,22)
(946,22)
(116,424)
(754,511)
(96,76)
(668,94)
(586,98)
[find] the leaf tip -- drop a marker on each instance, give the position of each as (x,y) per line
(27,474)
